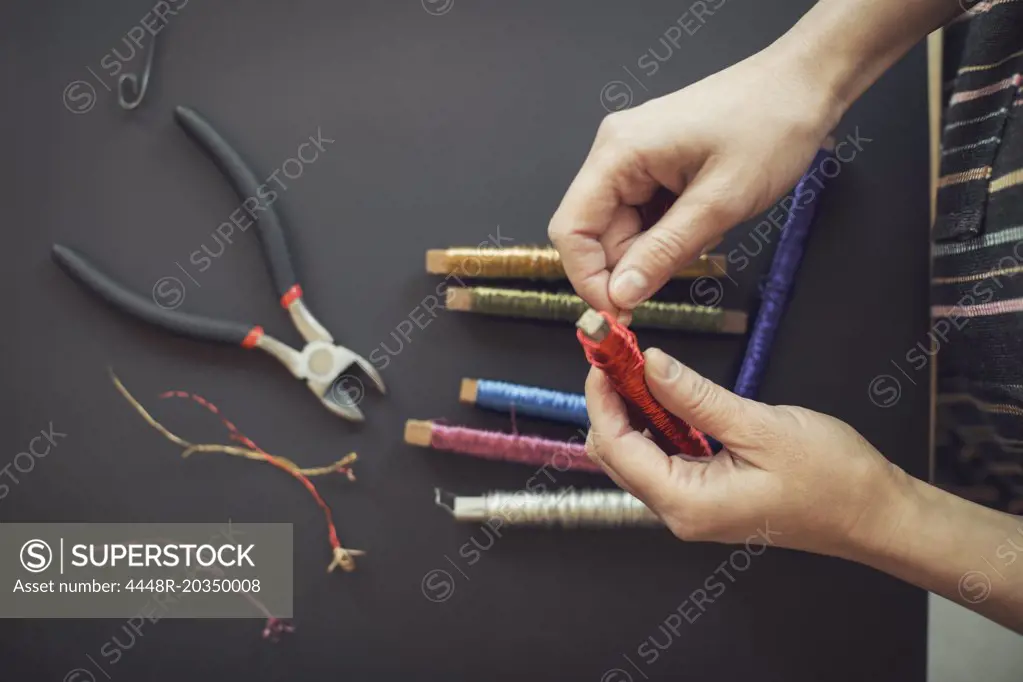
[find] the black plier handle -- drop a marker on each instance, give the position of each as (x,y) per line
(241,177)
(182,324)
(321,363)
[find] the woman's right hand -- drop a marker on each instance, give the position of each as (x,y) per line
(816,483)
(729,145)
(795,478)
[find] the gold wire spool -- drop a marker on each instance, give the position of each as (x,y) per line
(533,262)
(538,305)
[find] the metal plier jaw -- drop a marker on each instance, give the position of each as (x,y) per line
(322,364)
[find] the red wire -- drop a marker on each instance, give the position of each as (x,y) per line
(248,442)
(619,356)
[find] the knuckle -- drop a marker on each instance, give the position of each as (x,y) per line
(554,231)
(666,247)
(703,394)
(760,425)
(682,523)
(795,417)
(613,126)
(798,421)
(677,527)
(717,214)
(731,193)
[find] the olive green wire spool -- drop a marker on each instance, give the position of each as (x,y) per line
(539,305)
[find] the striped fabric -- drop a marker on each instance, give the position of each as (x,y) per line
(977,282)
(980,8)
(972,175)
(980,310)
(969,95)
(1008,180)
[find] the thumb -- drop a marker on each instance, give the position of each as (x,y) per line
(716,411)
(695,221)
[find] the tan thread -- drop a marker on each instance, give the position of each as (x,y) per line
(982,173)
(1006,181)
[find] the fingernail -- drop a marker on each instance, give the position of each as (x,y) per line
(661,365)
(625,318)
(628,288)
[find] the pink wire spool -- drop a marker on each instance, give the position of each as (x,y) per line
(507,447)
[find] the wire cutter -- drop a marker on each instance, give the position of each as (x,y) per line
(320,363)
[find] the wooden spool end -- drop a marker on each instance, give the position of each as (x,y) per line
(716,263)
(735,322)
(418,432)
(593,325)
(437,262)
(467,392)
(459,298)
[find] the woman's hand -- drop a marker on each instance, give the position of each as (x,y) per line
(730,145)
(807,480)
(799,479)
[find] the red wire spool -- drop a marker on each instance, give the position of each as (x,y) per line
(614,349)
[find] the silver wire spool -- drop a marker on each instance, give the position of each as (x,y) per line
(565,508)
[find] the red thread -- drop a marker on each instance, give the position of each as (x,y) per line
(238,436)
(275,627)
(619,356)
(512,448)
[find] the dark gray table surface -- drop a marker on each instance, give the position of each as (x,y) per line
(451,121)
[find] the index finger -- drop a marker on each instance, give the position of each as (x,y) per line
(575,229)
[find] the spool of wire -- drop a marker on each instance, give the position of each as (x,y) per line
(533,262)
(531,401)
(540,305)
(506,447)
(776,290)
(614,349)
(565,508)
